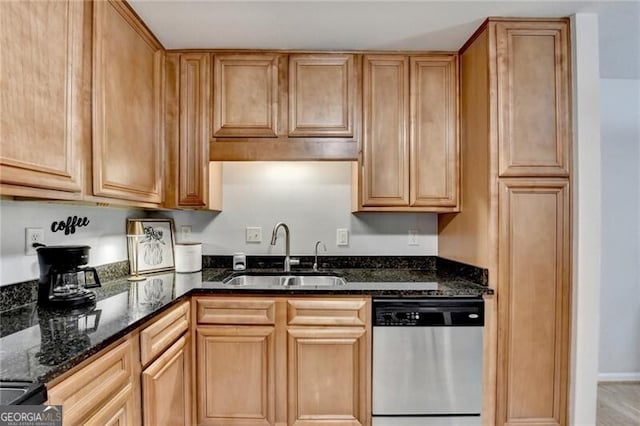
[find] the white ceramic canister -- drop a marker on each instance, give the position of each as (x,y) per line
(188,257)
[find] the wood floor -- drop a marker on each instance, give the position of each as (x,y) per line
(618,404)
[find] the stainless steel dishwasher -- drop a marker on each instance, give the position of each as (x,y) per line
(427,361)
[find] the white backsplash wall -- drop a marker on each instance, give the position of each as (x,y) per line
(105,234)
(314,200)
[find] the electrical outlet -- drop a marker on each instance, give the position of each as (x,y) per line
(253,234)
(185,233)
(413,237)
(342,237)
(32,235)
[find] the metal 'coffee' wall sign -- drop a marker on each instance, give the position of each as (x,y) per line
(69,226)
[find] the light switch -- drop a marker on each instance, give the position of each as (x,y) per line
(342,237)
(413,237)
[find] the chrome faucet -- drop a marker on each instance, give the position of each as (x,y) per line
(288,261)
(315,262)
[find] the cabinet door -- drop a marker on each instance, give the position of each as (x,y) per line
(127,132)
(434,136)
(321,95)
(40,94)
(534,124)
(245,95)
(385,149)
(193,149)
(327,376)
(236,375)
(534,288)
(166,387)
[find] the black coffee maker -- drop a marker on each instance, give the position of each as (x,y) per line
(63,279)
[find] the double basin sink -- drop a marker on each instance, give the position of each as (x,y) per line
(283,279)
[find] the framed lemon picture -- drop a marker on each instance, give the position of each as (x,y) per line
(153,245)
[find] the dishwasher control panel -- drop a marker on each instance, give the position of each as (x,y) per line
(448,312)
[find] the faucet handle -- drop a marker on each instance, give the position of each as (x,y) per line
(294,261)
(315,262)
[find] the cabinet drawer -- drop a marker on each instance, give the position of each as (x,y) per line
(236,311)
(327,312)
(118,411)
(85,392)
(155,338)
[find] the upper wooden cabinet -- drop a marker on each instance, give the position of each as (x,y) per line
(410,147)
(322,90)
(54,144)
(191,180)
(434,166)
(245,95)
(285,106)
(385,148)
(193,151)
(128,64)
(534,121)
(41,98)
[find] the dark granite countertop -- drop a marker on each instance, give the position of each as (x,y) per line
(38,345)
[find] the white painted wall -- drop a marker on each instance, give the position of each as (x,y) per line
(313,199)
(586,221)
(105,234)
(620,290)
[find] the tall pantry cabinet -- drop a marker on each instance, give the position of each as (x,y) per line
(516,211)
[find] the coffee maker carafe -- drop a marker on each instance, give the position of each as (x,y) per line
(63,279)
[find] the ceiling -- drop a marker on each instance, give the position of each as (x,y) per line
(382,24)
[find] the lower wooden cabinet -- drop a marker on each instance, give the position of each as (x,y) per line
(302,361)
(236,375)
(104,392)
(166,387)
(119,411)
(309,366)
(327,376)
(534,288)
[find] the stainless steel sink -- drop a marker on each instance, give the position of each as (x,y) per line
(319,280)
(22,393)
(281,280)
(9,395)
